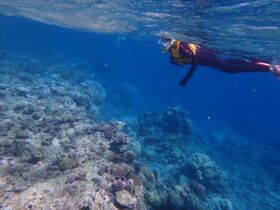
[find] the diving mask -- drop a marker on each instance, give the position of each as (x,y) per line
(166,44)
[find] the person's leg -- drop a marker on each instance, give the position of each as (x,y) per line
(210,59)
(236,61)
(275,69)
(240,65)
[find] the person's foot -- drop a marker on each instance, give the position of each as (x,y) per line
(275,70)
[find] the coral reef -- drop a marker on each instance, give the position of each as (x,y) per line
(171,121)
(251,169)
(121,170)
(203,170)
(160,130)
(124,199)
(58,152)
(204,187)
(55,150)
(182,178)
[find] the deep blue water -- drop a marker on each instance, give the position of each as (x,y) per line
(248,103)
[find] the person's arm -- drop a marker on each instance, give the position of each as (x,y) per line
(186,78)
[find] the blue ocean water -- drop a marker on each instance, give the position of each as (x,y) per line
(233,116)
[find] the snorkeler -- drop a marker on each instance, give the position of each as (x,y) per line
(182,53)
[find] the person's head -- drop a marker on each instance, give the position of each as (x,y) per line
(178,55)
(166,43)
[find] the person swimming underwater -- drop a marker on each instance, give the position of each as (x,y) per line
(182,53)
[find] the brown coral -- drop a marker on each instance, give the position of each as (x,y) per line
(121,170)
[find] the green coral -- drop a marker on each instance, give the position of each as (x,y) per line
(67,162)
(153,198)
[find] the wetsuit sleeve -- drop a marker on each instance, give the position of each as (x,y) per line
(192,69)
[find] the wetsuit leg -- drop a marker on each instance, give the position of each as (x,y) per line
(211,59)
(239,65)
(236,61)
